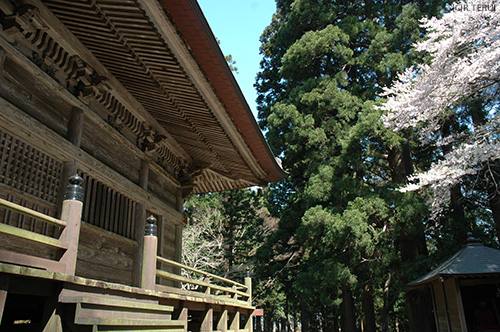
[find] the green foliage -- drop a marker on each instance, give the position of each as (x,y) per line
(311,53)
(341,219)
(223,232)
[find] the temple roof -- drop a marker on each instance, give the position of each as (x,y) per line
(165,56)
(474,260)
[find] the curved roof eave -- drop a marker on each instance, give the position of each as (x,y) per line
(474,260)
(198,35)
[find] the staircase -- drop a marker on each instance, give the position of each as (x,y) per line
(105,312)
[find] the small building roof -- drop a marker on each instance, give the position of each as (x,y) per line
(474,260)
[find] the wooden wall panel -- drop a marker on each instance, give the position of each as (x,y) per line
(162,187)
(39,101)
(166,248)
(168,240)
(102,146)
(104,256)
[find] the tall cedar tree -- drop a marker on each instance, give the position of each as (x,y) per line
(347,242)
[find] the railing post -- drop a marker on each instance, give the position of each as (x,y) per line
(248,283)
(208,289)
(72,214)
(249,320)
(150,245)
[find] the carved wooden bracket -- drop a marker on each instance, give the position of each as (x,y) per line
(84,81)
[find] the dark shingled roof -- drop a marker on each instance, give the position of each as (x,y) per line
(474,260)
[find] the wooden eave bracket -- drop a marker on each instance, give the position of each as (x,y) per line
(180,49)
(93,78)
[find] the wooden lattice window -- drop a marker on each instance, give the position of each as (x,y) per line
(30,178)
(108,209)
(27,169)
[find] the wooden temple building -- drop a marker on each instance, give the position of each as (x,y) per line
(112,112)
(466,290)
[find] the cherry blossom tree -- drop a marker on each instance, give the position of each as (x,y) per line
(464,70)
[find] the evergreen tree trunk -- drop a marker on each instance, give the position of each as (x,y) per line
(456,200)
(334,321)
(287,314)
(349,322)
(258,324)
(492,171)
(389,300)
(268,320)
(329,325)
(305,316)
(400,163)
(493,187)
(230,247)
(460,224)
(421,320)
(412,244)
(420,304)
(368,309)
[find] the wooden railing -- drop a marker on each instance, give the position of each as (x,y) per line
(66,249)
(66,245)
(233,300)
(210,284)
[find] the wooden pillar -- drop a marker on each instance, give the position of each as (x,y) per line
(207,289)
(3,298)
(447,310)
(182,314)
(74,135)
(208,320)
(178,242)
(140,218)
(222,321)
(4,287)
(234,321)
(248,322)
(178,237)
(248,325)
(150,246)
(161,243)
(72,214)
(179,228)
(248,283)
(75,127)
(51,319)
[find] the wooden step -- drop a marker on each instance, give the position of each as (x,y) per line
(94,316)
(116,313)
(87,312)
(105,328)
(71,296)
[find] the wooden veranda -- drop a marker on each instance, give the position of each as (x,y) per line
(75,303)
